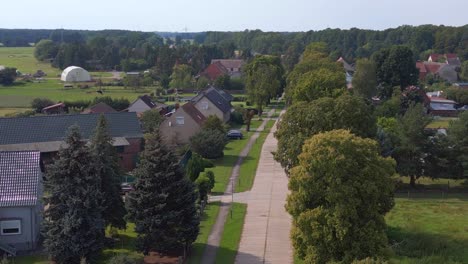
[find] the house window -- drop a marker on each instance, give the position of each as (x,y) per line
(180,120)
(204,105)
(10,227)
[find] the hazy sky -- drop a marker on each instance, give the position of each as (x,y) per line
(234,15)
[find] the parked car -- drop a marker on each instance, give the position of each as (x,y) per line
(235,134)
(126,187)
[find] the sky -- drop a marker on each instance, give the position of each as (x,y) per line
(234,15)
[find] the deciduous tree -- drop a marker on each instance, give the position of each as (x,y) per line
(365,79)
(340,192)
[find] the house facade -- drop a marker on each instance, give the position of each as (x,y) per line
(439,106)
(212,102)
(46,134)
(180,126)
(20,201)
(143,104)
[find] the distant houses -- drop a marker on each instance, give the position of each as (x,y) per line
(55,109)
(46,134)
(440,66)
(349,71)
(439,106)
(20,200)
(99,108)
(220,67)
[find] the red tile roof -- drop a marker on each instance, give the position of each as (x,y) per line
(53,106)
(214,70)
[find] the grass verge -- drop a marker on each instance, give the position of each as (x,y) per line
(208,219)
(231,235)
(249,166)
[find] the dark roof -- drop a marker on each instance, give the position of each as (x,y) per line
(226,95)
(150,103)
(53,128)
(193,112)
(20,176)
(215,97)
(99,108)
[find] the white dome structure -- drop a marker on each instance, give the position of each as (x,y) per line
(75,74)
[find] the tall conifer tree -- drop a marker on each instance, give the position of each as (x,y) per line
(73,226)
(163,204)
(108,170)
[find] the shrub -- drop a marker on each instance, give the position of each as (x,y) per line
(194,166)
(38,103)
(209,143)
(214,123)
(204,187)
(211,176)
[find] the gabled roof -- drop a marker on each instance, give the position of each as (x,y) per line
(99,108)
(214,70)
(348,67)
(215,97)
(193,112)
(228,64)
(22,130)
(149,102)
(20,176)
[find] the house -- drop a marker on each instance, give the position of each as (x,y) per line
(180,125)
(56,109)
(439,106)
(220,67)
(75,74)
(145,103)
(20,201)
(440,70)
(46,134)
(349,72)
(211,102)
(461,85)
(449,58)
(100,108)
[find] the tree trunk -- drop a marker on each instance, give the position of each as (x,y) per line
(413,181)
(248,125)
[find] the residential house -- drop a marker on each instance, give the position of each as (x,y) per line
(20,201)
(449,58)
(349,71)
(461,85)
(211,102)
(439,106)
(180,125)
(46,134)
(56,109)
(145,103)
(220,67)
(440,70)
(99,108)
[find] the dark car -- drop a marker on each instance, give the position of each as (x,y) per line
(235,134)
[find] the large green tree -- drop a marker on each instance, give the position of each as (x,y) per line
(181,76)
(396,66)
(263,80)
(412,140)
(108,170)
(464,71)
(340,192)
(315,76)
(45,49)
(458,136)
(73,223)
(365,79)
(7,76)
(305,119)
(163,204)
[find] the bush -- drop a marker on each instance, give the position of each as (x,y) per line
(214,123)
(211,177)
(194,166)
(203,184)
(237,117)
(38,103)
(209,143)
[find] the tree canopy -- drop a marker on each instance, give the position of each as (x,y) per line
(340,192)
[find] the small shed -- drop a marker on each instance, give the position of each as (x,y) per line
(75,74)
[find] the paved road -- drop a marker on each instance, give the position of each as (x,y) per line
(214,239)
(265,236)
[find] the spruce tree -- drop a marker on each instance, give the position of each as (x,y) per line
(73,226)
(163,204)
(105,161)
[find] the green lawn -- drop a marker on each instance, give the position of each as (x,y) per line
(21,95)
(6,111)
(231,235)
(223,166)
(249,166)
(208,219)
(23,59)
(429,230)
(440,122)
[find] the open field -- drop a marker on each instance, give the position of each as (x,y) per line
(6,111)
(442,122)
